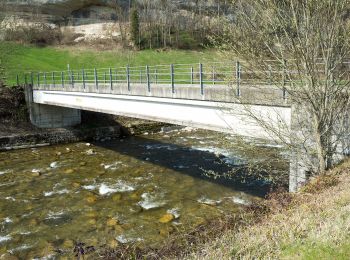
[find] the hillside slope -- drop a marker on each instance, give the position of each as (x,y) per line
(315,226)
(17,58)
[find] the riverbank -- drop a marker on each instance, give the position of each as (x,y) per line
(314,223)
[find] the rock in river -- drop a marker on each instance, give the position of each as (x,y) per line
(112,222)
(69,171)
(167,218)
(91,199)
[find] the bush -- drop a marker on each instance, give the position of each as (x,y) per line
(186,41)
(38,34)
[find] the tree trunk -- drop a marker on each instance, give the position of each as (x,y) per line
(320,147)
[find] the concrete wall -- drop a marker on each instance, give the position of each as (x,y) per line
(48,116)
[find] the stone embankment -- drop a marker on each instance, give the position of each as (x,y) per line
(58,136)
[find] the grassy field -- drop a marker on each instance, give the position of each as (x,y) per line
(17,59)
(315,226)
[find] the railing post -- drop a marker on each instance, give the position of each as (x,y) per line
(172,78)
(192,77)
(213,74)
(72,78)
(201,78)
(96,79)
(53,80)
(17,80)
(148,79)
(128,77)
(105,78)
(238,78)
(83,78)
(156,75)
(110,79)
(62,79)
(32,79)
(25,79)
(38,80)
(141,76)
(45,82)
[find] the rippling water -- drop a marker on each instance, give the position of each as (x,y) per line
(138,189)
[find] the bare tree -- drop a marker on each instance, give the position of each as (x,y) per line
(122,18)
(300,46)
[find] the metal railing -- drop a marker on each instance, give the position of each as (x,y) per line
(193,74)
(200,75)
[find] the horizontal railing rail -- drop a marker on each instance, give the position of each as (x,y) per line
(203,75)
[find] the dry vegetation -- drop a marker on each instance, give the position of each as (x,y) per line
(311,226)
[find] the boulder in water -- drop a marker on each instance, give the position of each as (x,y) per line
(166,218)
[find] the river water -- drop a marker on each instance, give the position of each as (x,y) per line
(137,189)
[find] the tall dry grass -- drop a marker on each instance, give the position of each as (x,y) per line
(315,225)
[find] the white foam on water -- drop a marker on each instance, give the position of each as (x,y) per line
(54,165)
(228,158)
(7,220)
(240,201)
(4,239)
(20,248)
(25,233)
(112,166)
(194,137)
(10,198)
(161,147)
(150,201)
(120,186)
(124,239)
(55,215)
(207,201)
(175,212)
(104,190)
(60,192)
(36,171)
(89,187)
(4,172)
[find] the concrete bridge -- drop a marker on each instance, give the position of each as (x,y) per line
(212,97)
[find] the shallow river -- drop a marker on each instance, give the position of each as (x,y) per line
(138,189)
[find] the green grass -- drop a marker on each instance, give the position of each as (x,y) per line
(18,59)
(310,251)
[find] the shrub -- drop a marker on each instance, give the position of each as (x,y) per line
(39,34)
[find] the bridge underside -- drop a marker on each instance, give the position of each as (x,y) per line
(218,116)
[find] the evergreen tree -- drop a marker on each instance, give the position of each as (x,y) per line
(135,26)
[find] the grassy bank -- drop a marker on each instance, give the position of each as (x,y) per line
(315,225)
(16,58)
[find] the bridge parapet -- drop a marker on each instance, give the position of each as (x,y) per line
(221,82)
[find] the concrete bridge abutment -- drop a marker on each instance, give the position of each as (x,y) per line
(49,116)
